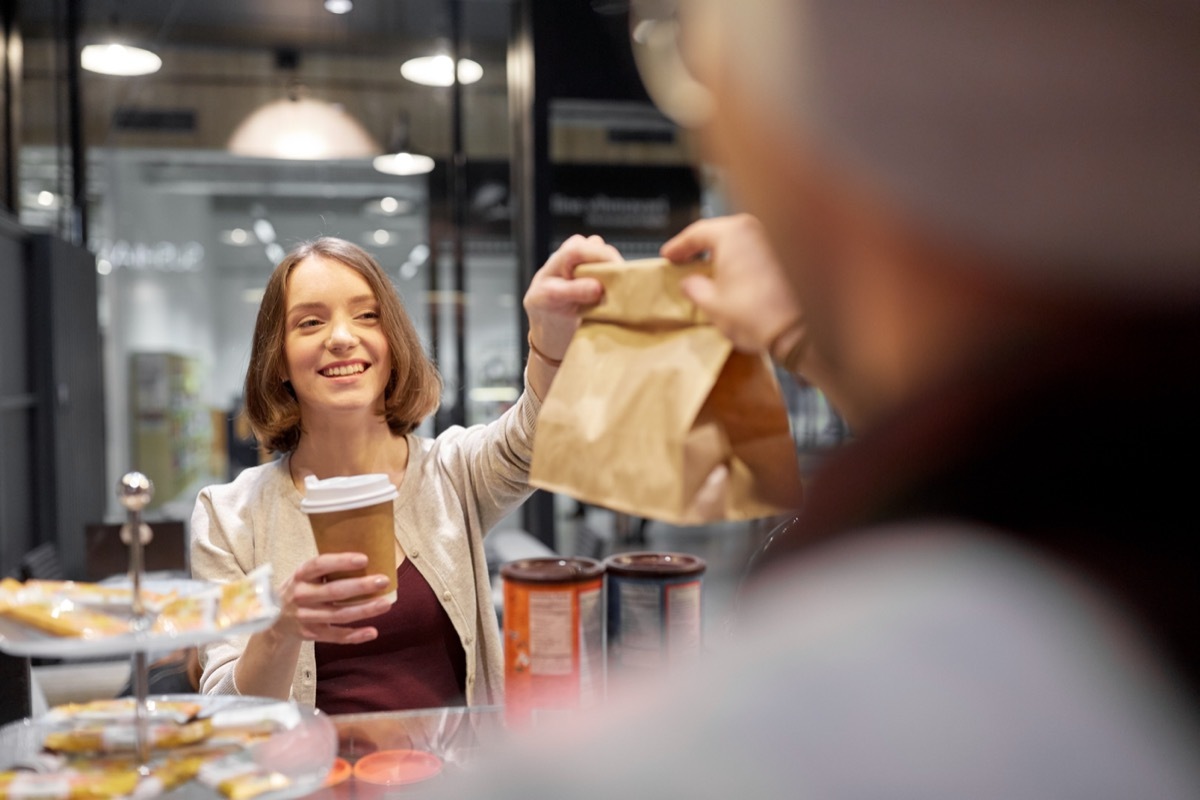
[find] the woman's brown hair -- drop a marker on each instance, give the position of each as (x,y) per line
(412,391)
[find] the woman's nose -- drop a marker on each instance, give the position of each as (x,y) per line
(341,336)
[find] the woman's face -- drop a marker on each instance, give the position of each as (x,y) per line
(334,345)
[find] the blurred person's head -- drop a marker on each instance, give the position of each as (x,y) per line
(942,178)
(412,389)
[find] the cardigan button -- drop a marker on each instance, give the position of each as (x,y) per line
(467,641)
(414,554)
(446,596)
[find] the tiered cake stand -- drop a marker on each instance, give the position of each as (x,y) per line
(303,753)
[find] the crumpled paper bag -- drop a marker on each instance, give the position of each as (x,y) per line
(654,414)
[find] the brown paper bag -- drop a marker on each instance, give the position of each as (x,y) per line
(654,414)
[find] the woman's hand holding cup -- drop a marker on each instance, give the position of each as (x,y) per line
(315,608)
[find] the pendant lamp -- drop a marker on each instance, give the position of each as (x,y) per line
(400,159)
(301,127)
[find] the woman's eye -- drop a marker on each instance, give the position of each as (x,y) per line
(369,315)
(308,323)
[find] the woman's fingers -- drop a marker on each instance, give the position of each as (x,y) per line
(328,621)
(575,251)
(571,294)
(340,592)
(315,569)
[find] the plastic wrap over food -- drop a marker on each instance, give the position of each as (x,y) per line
(89,611)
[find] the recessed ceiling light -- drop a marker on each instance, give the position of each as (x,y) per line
(118,59)
(416,257)
(264,230)
(388,207)
(239,237)
(439,70)
(45,198)
(339,6)
(381,236)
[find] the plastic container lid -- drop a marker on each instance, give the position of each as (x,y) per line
(552,570)
(397,767)
(654,565)
(346,493)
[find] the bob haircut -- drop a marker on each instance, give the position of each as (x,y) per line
(413,389)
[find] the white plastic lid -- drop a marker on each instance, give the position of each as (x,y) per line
(345,493)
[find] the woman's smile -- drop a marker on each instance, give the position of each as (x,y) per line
(345,369)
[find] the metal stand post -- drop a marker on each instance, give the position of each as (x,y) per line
(134,493)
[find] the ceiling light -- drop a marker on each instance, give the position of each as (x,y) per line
(381,236)
(403,164)
(339,6)
(275,252)
(388,207)
(264,230)
(300,127)
(400,160)
(439,70)
(239,237)
(118,59)
(416,257)
(45,198)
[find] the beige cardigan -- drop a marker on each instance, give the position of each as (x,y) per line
(455,488)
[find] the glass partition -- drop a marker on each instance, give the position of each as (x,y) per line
(186,231)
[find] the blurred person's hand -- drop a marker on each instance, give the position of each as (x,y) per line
(748,297)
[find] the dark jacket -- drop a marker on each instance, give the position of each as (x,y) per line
(1082,446)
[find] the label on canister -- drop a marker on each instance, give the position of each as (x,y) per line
(655,617)
(553,636)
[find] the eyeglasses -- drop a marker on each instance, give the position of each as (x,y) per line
(654,27)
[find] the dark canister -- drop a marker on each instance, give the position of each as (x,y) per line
(553,636)
(654,610)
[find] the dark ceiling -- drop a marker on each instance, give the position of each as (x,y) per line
(305,25)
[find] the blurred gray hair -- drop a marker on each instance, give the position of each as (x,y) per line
(1060,135)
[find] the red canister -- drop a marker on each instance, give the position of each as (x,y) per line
(553,636)
(654,611)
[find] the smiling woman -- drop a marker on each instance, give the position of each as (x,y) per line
(299,307)
(337,384)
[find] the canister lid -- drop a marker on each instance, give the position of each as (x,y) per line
(397,767)
(340,771)
(650,565)
(552,570)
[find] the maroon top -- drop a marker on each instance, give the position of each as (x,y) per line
(416,661)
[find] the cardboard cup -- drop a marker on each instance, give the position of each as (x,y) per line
(354,515)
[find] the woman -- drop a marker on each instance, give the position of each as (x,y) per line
(337,383)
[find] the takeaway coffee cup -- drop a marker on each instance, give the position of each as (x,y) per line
(353,514)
